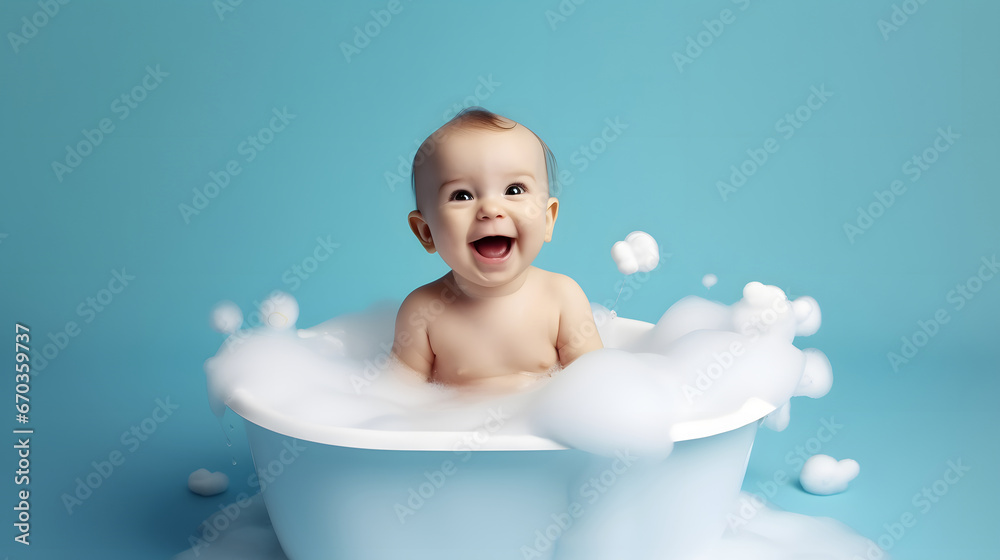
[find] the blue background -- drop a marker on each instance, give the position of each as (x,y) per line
(324,176)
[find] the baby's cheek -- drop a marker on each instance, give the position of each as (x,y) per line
(536,207)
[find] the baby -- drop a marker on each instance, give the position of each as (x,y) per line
(494,321)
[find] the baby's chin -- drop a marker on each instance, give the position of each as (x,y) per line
(489,280)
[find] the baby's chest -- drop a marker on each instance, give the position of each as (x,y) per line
(519,337)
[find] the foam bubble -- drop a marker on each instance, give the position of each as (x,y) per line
(764,310)
(584,408)
(226,317)
(757,532)
(817,375)
(206,483)
(779,419)
(807,315)
(709,280)
(638,252)
(823,475)
(280,311)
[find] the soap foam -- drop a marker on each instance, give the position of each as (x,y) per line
(206,483)
(637,253)
(702,360)
(762,534)
(823,475)
(245,535)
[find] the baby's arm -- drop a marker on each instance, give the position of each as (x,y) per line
(411,346)
(577,331)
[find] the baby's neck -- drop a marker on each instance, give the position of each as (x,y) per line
(476,291)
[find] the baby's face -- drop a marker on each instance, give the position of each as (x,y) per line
(484,203)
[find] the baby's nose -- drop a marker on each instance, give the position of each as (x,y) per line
(491,208)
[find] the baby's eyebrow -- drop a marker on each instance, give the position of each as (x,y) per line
(446,183)
(528,174)
(511,175)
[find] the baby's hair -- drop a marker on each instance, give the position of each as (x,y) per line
(477,117)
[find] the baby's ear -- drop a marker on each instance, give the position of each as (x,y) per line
(551,211)
(421,230)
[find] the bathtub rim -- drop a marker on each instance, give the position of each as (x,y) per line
(244,405)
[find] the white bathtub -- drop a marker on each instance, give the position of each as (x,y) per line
(336,493)
(372,494)
(366,494)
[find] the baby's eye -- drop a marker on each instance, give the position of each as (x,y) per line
(516,188)
(461,195)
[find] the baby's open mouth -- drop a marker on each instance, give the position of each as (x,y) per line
(493,246)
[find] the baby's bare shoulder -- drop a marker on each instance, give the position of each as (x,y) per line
(563,289)
(421,294)
(432,294)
